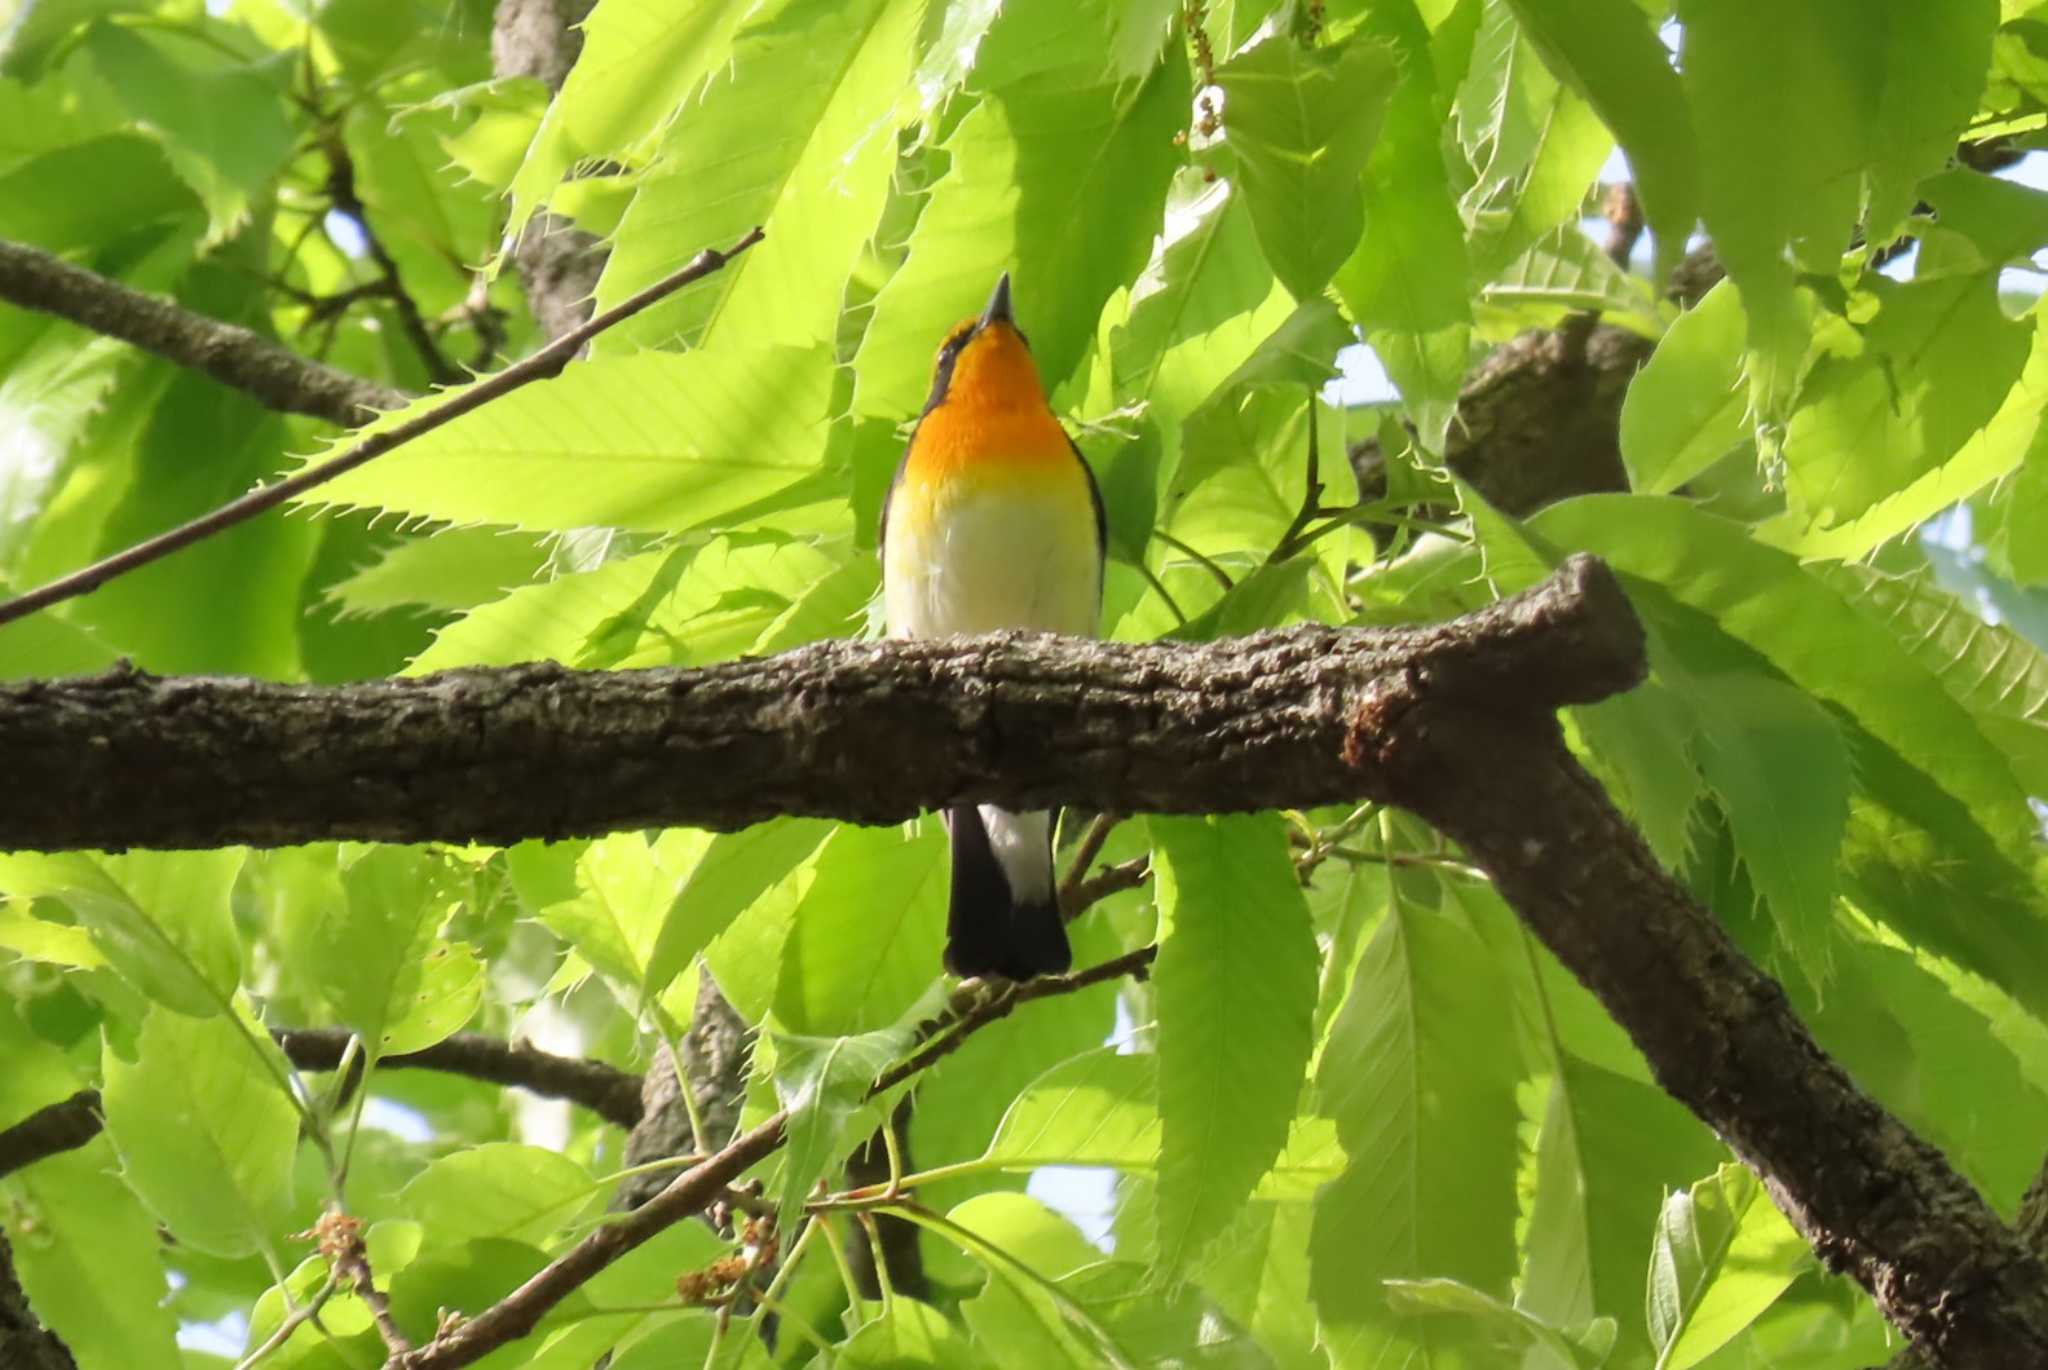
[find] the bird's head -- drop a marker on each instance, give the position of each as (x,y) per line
(986,361)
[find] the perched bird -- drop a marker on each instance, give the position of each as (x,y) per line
(994,521)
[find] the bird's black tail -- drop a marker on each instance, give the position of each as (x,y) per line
(989,931)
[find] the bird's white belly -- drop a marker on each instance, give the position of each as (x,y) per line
(989,560)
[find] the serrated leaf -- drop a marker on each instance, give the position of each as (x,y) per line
(1723,1255)
(1102,1108)
(1764,598)
(866,942)
(1776,760)
(1302,121)
(160,918)
(498,1191)
(636,65)
(1685,409)
(1417,1070)
(1017,1319)
(726,875)
(1937,363)
(794,133)
(222,126)
(1534,144)
(1565,271)
(205,1129)
(453,570)
(1989,454)
(1406,286)
(1236,980)
(1503,1327)
(65,1216)
(653,441)
(1609,53)
(2000,677)
(822,1082)
(1062,186)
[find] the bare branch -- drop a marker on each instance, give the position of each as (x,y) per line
(543,364)
(605,1090)
(233,355)
(873,732)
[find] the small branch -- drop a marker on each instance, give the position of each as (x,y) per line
(341,1242)
(519,1312)
(605,1090)
(61,1126)
(543,364)
(1110,880)
(233,355)
(341,191)
(611,1093)
(1085,852)
(1292,540)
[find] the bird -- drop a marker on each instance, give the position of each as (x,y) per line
(993,521)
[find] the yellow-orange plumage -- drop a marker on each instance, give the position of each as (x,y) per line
(994,522)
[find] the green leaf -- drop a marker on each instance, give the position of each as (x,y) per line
(1406,286)
(1764,598)
(636,66)
(498,1191)
(1236,980)
(1102,1108)
(1642,743)
(653,441)
(452,570)
(1923,68)
(69,1221)
(867,937)
(1063,187)
(1989,454)
(1202,306)
(1934,367)
(1609,52)
(1505,1328)
(908,1333)
(1418,1072)
(624,889)
(361,930)
(1302,121)
(727,874)
(205,1129)
(822,1083)
(161,918)
(1723,1255)
(1776,760)
(222,126)
(796,133)
(1685,409)
(1534,144)
(1020,1319)
(2000,677)
(1563,272)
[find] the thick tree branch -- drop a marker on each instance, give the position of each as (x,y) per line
(230,354)
(873,732)
(542,365)
(605,1090)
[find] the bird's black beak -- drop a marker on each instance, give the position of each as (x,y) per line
(998,310)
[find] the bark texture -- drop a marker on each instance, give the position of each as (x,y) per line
(229,353)
(871,732)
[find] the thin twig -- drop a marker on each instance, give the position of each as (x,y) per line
(1291,541)
(519,1312)
(1202,559)
(341,191)
(341,1242)
(1085,852)
(543,364)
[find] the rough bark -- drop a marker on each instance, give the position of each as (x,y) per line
(871,732)
(558,263)
(25,1344)
(229,353)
